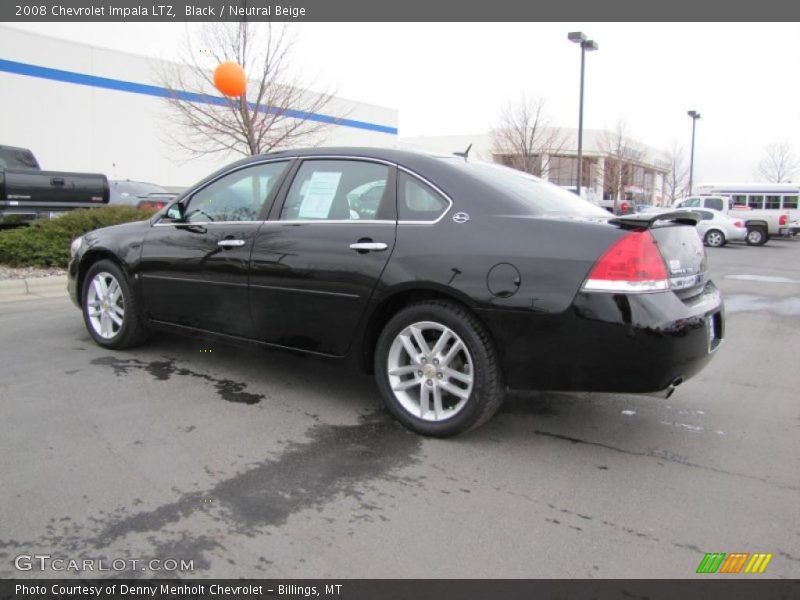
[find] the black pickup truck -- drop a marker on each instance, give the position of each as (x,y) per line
(28,193)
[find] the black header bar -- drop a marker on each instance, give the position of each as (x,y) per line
(399,11)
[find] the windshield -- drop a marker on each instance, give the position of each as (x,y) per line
(531,194)
(136,188)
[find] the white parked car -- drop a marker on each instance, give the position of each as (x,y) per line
(717,228)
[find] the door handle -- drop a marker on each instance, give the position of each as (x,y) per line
(230,243)
(368,246)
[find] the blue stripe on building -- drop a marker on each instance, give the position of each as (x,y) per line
(18,68)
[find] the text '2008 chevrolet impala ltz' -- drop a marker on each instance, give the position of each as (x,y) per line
(450,279)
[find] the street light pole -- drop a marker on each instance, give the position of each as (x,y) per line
(694,115)
(579,37)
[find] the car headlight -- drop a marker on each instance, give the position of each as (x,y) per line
(75,246)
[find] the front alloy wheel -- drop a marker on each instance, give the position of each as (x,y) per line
(715,238)
(110,308)
(756,237)
(105,305)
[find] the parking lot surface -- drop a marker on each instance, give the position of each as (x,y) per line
(254,463)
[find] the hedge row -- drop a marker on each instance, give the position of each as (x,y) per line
(46,243)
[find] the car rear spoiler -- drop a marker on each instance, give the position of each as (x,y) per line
(648,221)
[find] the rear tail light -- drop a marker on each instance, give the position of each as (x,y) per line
(783,220)
(151,205)
(738,224)
(633,264)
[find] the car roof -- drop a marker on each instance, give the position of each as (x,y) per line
(404,157)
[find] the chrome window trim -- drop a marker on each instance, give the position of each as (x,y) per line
(335,221)
(205,223)
(406,170)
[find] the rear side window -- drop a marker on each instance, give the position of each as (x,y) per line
(417,201)
(715,203)
(338,190)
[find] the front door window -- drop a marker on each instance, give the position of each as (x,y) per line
(238,196)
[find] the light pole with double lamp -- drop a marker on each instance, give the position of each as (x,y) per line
(579,37)
(694,115)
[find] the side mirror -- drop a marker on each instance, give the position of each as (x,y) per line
(175,212)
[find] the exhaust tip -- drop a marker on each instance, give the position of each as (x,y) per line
(668,391)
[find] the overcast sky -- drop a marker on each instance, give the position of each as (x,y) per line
(450,78)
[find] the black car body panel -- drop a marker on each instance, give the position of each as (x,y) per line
(299,284)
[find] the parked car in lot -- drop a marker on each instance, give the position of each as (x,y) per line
(761,223)
(140,194)
(463,280)
(717,228)
(622,207)
(28,193)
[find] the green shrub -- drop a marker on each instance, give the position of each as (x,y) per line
(46,243)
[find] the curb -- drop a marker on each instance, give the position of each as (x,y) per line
(40,287)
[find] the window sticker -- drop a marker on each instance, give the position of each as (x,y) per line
(319,195)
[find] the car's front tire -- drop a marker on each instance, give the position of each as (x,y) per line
(110,309)
(714,238)
(437,370)
(756,236)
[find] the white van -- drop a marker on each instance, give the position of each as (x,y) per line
(757,196)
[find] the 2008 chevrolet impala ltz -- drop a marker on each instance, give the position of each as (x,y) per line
(450,279)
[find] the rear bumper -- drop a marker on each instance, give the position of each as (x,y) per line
(736,235)
(609,342)
(28,215)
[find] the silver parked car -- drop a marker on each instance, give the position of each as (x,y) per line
(718,228)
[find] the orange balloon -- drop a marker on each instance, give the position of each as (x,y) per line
(229,79)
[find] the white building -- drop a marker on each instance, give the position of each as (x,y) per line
(82,108)
(611,166)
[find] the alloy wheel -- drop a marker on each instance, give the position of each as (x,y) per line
(430,370)
(714,239)
(754,236)
(105,305)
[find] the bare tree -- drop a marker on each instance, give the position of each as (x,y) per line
(780,164)
(677,178)
(619,152)
(276,111)
(524,138)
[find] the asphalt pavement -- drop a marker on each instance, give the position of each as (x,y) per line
(254,463)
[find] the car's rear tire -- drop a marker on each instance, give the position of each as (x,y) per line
(756,236)
(714,238)
(110,309)
(437,369)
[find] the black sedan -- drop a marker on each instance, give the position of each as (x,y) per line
(450,279)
